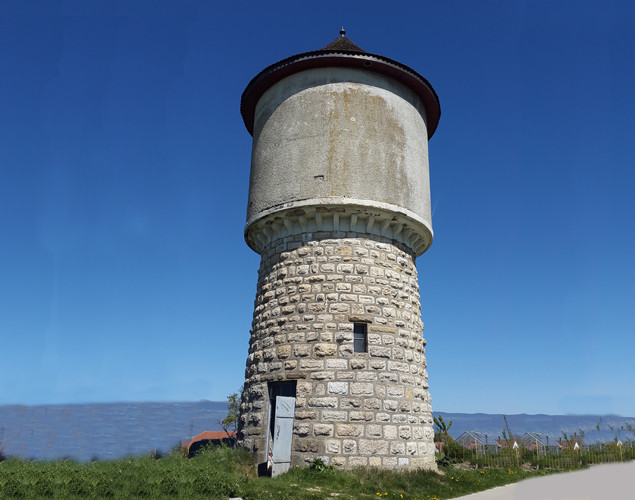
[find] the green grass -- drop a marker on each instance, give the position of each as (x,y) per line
(225,472)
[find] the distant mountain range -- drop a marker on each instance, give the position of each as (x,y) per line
(112,430)
(594,428)
(103,430)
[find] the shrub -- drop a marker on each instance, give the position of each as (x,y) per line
(319,465)
(443,460)
(454,451)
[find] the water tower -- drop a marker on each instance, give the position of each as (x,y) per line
(339,208)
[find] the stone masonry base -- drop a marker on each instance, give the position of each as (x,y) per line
(352,408)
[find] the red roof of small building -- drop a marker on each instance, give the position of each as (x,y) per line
(209,435)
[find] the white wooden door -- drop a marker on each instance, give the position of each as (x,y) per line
(282,434)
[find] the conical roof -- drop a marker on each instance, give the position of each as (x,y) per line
(342,43)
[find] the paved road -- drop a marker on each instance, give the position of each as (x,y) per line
(600,482)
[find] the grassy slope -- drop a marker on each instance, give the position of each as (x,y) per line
(222,473)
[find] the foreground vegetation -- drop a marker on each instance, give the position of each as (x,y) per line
(227,472)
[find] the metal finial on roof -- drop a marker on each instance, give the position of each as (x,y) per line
(342,31)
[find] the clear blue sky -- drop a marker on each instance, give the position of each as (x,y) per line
(124,168)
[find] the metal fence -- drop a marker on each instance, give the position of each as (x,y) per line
(565,458)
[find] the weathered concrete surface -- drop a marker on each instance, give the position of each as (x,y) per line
(600,482)
(325,136)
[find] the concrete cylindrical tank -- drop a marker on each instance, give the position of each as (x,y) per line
(339,208)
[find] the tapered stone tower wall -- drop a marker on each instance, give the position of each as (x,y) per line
(339,208)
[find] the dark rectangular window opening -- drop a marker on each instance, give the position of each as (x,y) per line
(360,337)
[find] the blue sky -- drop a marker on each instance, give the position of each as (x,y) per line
(124,168)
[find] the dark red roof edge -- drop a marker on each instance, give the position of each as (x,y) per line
(335,58)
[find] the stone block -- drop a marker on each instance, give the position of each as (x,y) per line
(377,364)
(326,402)
(301,351)
(357,308)
(349,430)
(405,407)
(296,337)
(381,328)
(350,403)
(333,446)
(377,272)
(341,337)
(372,447)
(311,364)
(374,430)
(379,351)
(372,404)
(306,445)
(323,429)
(397,353)
(316,307)
(337,364)
(322,350)
(284,351)
(405,432)
(325,336)
(390,431)
(346,350)
(398,366)
(349,446)
(390,405)
(304,387)
(348,297)
(323,375)
(333,416)
(338,461)
(361,416)
(300,429)
(345,268)
(362,389)
(338,388)
(358,461)
(395,391)
(357,363)
(389,462)
(339,308)
(397,448)
(422,447)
